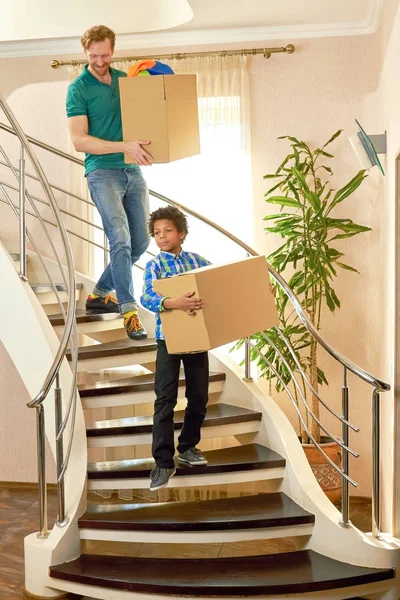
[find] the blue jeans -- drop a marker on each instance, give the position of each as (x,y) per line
(122,199)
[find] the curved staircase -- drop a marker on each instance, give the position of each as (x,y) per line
(244,519)
(253,522)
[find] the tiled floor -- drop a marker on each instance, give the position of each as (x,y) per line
(19,517)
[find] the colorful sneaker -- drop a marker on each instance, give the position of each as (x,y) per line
(192,457)
(134,328)
(160,478)
(109,304)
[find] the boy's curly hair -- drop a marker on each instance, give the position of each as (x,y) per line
(171,213)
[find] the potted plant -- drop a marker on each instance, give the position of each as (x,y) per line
(310,254)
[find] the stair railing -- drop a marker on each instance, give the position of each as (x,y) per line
(376,384)
(69,334)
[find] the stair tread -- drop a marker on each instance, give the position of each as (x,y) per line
(116,348)
(138,383)
(224,460)
(16,256)
(262,510)
(43,288)
(82,316)
(217,414)
(292,572)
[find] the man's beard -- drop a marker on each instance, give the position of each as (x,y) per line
(101,70)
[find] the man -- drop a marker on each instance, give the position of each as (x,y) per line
(118,190)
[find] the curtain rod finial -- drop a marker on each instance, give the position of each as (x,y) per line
(55,64)
(290,49)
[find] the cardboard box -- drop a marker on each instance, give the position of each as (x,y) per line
(238,302)
(162,109)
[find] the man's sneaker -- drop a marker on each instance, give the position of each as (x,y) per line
(109,304)
(193,457)
(134,328)
(160,477)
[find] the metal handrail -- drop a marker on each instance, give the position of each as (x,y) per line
(40,144)
(41,201)
(69,334)
(44,390)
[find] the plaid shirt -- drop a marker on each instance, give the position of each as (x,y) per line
(164,265)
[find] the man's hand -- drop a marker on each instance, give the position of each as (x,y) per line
(188,302)
(137,153)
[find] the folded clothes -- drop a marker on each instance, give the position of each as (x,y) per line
(153,67)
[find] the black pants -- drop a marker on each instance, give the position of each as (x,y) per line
(166,389)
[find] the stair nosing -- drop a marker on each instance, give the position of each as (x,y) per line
(86,317)
(124,388)
(232,576)
(274,461)
(107,351)
(209,515)
(41,288)
(136,429)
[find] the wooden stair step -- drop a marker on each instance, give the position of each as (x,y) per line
(244,512)
(248,457)
(116,348)
(16,256)
(128,385)
(217,414)
(299,572)
(46,288)
(84,317)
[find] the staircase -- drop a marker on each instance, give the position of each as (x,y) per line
(266,529)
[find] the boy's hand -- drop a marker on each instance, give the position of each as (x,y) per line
(189,303)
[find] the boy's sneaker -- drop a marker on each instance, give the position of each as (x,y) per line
(134,328)
(109,304)
(192,457)
(160,478)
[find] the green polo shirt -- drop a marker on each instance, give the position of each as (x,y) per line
(100,103)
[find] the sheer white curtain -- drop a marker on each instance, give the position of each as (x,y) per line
(84,252)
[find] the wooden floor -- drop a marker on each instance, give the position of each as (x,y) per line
(19,517)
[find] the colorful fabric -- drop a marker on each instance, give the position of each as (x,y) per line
(140,65)
(164,265)
(153,67)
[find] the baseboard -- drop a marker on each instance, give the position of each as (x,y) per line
(26,485)
(62,596)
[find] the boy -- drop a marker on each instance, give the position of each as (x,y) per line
(169,228)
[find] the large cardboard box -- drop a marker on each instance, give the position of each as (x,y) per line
(238,302)
(162,109)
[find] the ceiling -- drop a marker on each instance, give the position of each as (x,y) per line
(214,22)
(224,14)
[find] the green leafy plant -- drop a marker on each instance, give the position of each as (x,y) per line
(309,255)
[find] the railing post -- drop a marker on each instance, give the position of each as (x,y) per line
(247,361)
(61,520)
(345,521)
(41,437)
(106,254)
(376,463)
(22,216)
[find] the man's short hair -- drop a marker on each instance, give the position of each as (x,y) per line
(170,213)
(97,33)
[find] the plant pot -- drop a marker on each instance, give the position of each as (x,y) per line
(329,479)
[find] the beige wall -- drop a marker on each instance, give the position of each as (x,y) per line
(18,427)
(324,86)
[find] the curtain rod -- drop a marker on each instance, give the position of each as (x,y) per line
(266,52)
